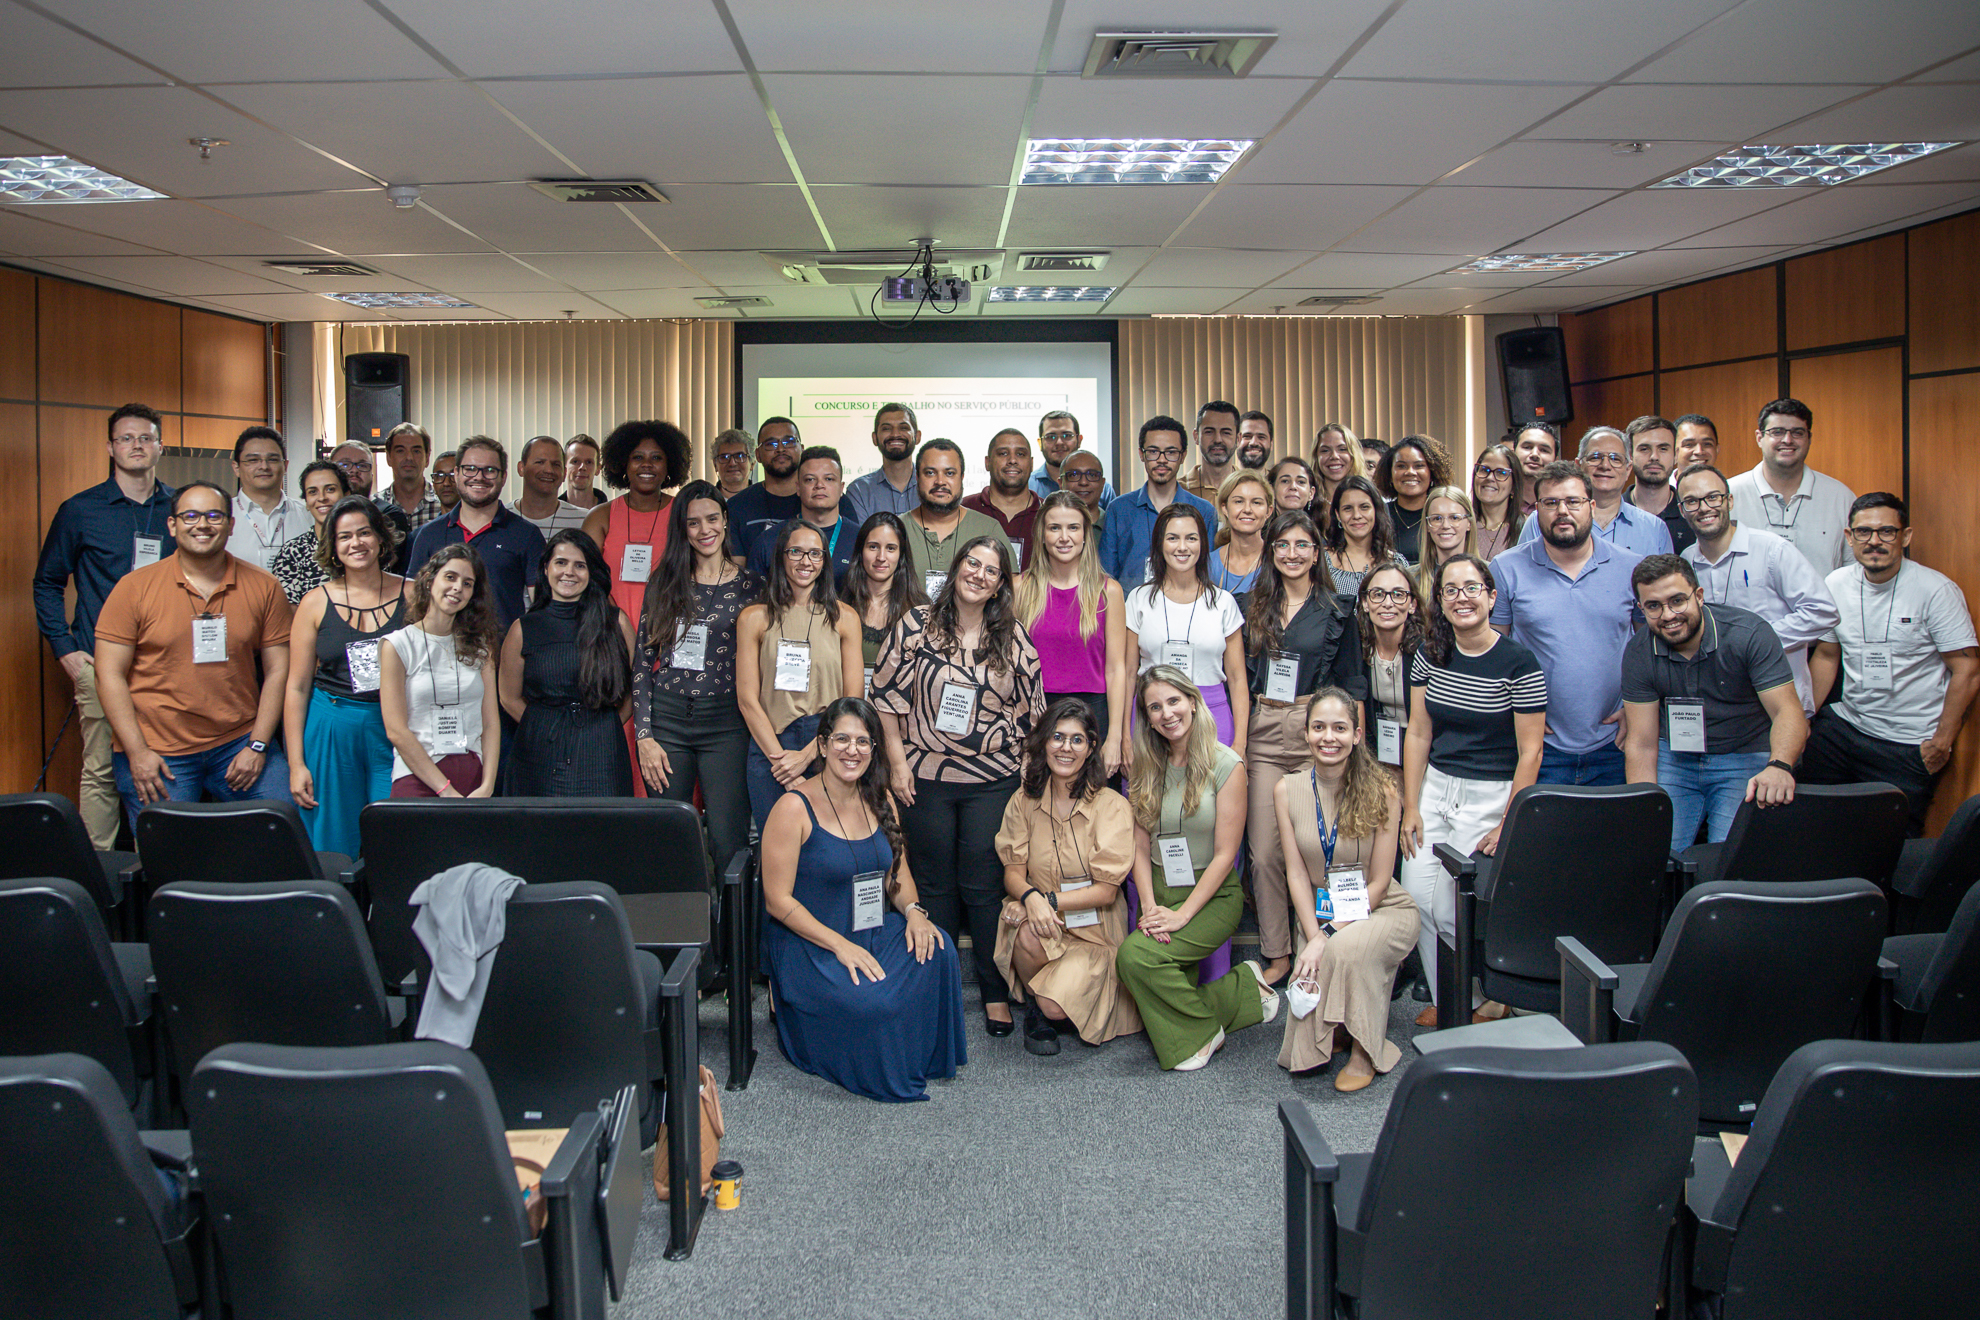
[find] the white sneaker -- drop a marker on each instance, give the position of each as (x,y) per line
(1202,1056)
(1265,992)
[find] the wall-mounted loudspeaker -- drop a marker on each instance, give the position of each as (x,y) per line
(1533,368)
(374,395)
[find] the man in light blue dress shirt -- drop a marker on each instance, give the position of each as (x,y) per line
(1605,458)
(891,487)
(1130,521)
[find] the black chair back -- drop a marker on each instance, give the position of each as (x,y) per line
(1829,832)
(1949,872)
(1949,990)
(93,1231)
(1855,1194)
(61,991)
(224,843)
(282,963)
(637,845)
(46,837)
(360,1182)
(1748,973)
(1574,1158)
(563,1023)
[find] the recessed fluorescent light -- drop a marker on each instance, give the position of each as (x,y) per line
(1130,160)
(1776,167)
(1539,261)
(377,300)
(58,179)
(1025,293)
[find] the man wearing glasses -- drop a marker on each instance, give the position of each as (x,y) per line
(360,468)
(731,458)
(1604,458)
(1786,496)
(264,517)
(1906,647)
(892,487)
(773,501)
(1130,525)
(1058,441)
(1653,458)
(1083,477)
(1567,598)
(177,648)
(1753,569)
(97,537)
(509,545)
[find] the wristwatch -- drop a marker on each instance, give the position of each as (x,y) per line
(258,747)
(916,907)
(1781,765)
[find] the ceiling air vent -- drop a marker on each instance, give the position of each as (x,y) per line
(748,300)
(1339,300)
(599,190)
(1062,261)
(320,267)
(1175,54)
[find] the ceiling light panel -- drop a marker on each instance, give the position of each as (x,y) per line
(50,179)
(1031,293)
(1130,160)
(1777,167)
(1550,262)
(374,301)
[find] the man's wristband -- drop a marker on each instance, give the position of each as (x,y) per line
(258,747)
(1783,765)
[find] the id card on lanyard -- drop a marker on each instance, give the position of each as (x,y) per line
(869,899)
(209,639)
(361,658)
(1081,916)
(957,713)
(635,562)
(145,550)
(793,666)
(1687,725)
(1177,870)
(1281,676)
(691,651)
(1388,741)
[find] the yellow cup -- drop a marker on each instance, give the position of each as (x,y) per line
(725,1194)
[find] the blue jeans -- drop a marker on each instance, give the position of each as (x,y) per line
(764,790)
(1706,786)
(196,775)
(1604,765)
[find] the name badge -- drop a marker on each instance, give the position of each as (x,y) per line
(1017,551)
(1687,725)
(869,899)
(145,550)
(934,582)
(868,689)
(210,639)
(1177,870)
(691,651)
(1084,916)
(362,660)
(1177,655)
(1388,741)
(1348,891)
(793,666)
(636,563)
(449,729)
(1281,676)
(1879,666)
(957,711)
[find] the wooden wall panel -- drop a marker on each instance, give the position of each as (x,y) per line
(1606,403)
(1847,294)
(1610,341)
(1733,316)
(215,432)
(105,348)
(17,330)
(1945,294)
(1858,402)
(1944,514)
(226,368)
(20,645)
(1729,394)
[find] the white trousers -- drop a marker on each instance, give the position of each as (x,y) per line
(1459,812)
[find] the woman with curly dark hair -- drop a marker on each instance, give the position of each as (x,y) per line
(957,685)
(1414,466)
(566,679)
(1067,844)
(868,990)
(645,460)
(437,683)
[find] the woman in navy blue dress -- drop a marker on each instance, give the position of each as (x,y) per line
(868,992)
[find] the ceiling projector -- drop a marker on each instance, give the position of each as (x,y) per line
(916,289)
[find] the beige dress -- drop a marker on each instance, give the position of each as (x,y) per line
(1360,963)
(1079,972)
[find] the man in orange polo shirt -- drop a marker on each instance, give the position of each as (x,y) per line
(176,646)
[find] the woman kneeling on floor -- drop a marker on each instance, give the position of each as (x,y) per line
(1067,842)
(1340,817)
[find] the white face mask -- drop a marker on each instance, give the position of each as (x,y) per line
(1302,997)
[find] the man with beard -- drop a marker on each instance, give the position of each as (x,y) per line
(1604,457)
(1130,525)
(510,547)
(1058,441)
(1709,708)
(1535,445)
(360,468)
(892,488)
(773,501)
(1786,496)
(1254,441)
(939,525)
(1567,598)
(819,482)
(1217,442)
(1009,498)
(1653,458)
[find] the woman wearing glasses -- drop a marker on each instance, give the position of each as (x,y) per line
(1475,725)
(1390,621)
(1494,513)
(1448,533)
(1298,636)
(1074,613)
(1414,466)
(797,651)
(1359,538)
(322,484)
(958,691)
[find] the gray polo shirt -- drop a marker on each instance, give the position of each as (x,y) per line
(1739,657)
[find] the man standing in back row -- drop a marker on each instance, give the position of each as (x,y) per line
(773,501)
(1009,498)
(1130,526)
(1216,446)
(892,487)
(1789,498)
(938,525)
(1059,440)
(510,547)
(1653,458)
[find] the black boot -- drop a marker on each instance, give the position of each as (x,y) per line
(1040,1036)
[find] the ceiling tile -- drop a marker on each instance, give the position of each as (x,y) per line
(1294,215)
(885,217)
(1486,219)
(732,216)
(486,272)
(1181,267)
(190,228)
(1311,37)
(1138,301)
(1334,271)
(1964,69)
(240,40)
(658,302)
(364,220)
(1552,298)
(517,218)
(1836,212)
(498,38)
(735,267)
(853,129)
(38,53)
(1543,38)
(1637,113)
(650,269)
(787,299)
(538,306)
(1800,41)
(289,307)
(1069,106)
(1421,302)
(173,275)
(1638,221)
(1100,216)
(617,128)
(926,37)
(1581,164)
(1670,265)
(1936,112)
(45,231)
(1425,130)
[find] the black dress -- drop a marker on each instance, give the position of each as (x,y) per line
(563,748)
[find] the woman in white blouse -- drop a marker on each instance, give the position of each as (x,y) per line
(437,682)
(1180,619)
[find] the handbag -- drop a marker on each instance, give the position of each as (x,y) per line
(711,1138)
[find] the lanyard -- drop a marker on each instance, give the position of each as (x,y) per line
(1189,623)
(1045,805)
(1328,837)
(433,669)
(150,513)
(851,851)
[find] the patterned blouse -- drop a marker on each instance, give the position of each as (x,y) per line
(911,679)
(716,605)
(295,566)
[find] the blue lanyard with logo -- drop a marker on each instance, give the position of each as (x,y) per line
(1328,837)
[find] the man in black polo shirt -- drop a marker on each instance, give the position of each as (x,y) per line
(1731,727)
(510,548)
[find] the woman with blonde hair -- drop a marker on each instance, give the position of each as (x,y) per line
(1337,455)
(1448,531)
(1244,502)
(1077,617)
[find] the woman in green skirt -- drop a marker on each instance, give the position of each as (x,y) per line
(1187,792)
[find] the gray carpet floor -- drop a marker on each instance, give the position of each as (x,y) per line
(1087,1184)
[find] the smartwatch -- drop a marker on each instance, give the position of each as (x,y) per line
(258,747)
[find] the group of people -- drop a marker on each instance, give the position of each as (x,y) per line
(1085,729)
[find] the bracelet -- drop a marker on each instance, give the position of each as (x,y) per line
(916,907)
(1782,765)
(1029,890)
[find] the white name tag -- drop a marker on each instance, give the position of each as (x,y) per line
(869,683)
(1177,655)
(362,660)
(793,666)
(210,639)
(1349,892)
(636,563)
(1177,870)
(1388,742)
(691,651)
(1017,552)
(145,550)
(1281,676)
(1687,725)
(934,582)
(1084,916)
(869,899)
(1879,665)
(449,729)
(957,711)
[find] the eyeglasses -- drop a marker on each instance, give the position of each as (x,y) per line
(738,456)
(1162,455)
(1609,459)
(259,460)
(981,569)
(1060,435)
(1463,590)
(1493,473)
(1786,433)
(1881,535)
(857,741)
(798,555)
(1657,609)
(788,442)
(1572,503)
(1693,503)
(194,517)
(1297,547)
(477,470)
(1083,474)
(1075,741)
(356,465)
(1449,519)
(1391,595)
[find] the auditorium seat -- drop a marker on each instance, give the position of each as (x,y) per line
(230,843)
(1829,832)
(1937,987)
(45,836)
(1934,874)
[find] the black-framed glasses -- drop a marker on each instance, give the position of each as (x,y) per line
(1881,535)
(799,555)
(1162,455)
(738,456)
(1493,473)
(1786,433)
(476,470)
(1693,503)
(1572,503)
(1083,474)
(1391,595)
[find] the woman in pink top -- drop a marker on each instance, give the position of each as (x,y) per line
(1077,620)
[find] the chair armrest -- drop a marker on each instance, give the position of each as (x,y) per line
(678,978)
(1460,865)
(680,1044)
(169,1148)
(1886,969)
(352,877)
(1588,993)
(737,871)
(1312,1261)
(573,1252)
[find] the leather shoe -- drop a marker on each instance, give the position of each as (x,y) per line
(1347,1082)
(995,1028)
(1428,1017)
